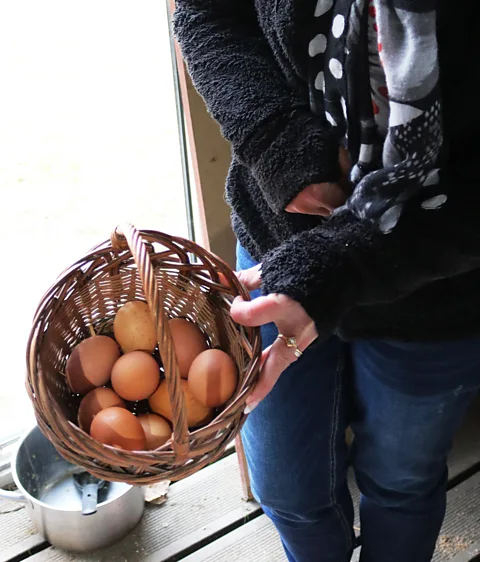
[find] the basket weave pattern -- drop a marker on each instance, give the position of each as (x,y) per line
(177,278)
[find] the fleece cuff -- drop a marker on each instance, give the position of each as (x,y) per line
(289,154)
(318,269)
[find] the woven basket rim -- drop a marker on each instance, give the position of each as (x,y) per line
(178,457)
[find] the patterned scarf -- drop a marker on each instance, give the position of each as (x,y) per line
(389,169)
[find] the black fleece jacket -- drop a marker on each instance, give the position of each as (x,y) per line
(248,59)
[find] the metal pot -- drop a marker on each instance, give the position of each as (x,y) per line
(46,485)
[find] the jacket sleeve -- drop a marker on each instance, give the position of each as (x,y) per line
(349,261)
(268,123)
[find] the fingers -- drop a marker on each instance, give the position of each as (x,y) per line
(318,199)
(307,203)
(323,198)
(253,401)
(302,209)
(251,278)
(331,195)
(290,318)
(264,356)
(276,359)
(257,312)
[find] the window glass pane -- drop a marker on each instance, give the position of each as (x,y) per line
(88,139)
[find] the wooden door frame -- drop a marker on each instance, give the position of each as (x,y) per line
(209,159)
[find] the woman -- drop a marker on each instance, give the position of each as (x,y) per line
(371,300)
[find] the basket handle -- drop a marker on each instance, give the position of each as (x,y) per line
(127,235)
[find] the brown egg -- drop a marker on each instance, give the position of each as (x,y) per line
(134,329)
(120,428)
(223,280)
(95,401)
(188,341)
(135,376)
(213,378)
(157,430)
(90,363)
(197,414)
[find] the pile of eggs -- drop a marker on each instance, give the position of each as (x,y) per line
(113,372)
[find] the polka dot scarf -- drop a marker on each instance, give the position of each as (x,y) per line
(374,79)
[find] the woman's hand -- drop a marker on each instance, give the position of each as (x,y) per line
(323,198)
(318,199)
(291,321)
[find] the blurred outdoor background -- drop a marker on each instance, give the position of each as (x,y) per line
(88,139)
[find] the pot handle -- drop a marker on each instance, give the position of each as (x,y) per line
(13,496)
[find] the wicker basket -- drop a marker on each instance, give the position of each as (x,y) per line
(177,278)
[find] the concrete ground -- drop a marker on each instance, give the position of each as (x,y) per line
(88,139)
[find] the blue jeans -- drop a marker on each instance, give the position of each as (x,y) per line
(404,403)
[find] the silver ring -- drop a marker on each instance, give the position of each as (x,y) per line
(292,343)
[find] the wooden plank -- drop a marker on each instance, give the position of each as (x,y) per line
(17,533)
(197,508)
(176,550)
(257,541)
(461,528)
(21,549)
(466,446)
(472,553)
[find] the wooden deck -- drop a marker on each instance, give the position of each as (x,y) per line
(206,520)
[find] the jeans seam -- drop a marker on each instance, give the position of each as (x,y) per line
(333,438)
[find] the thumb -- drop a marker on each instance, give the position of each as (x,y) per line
(251,278)
(257,312)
